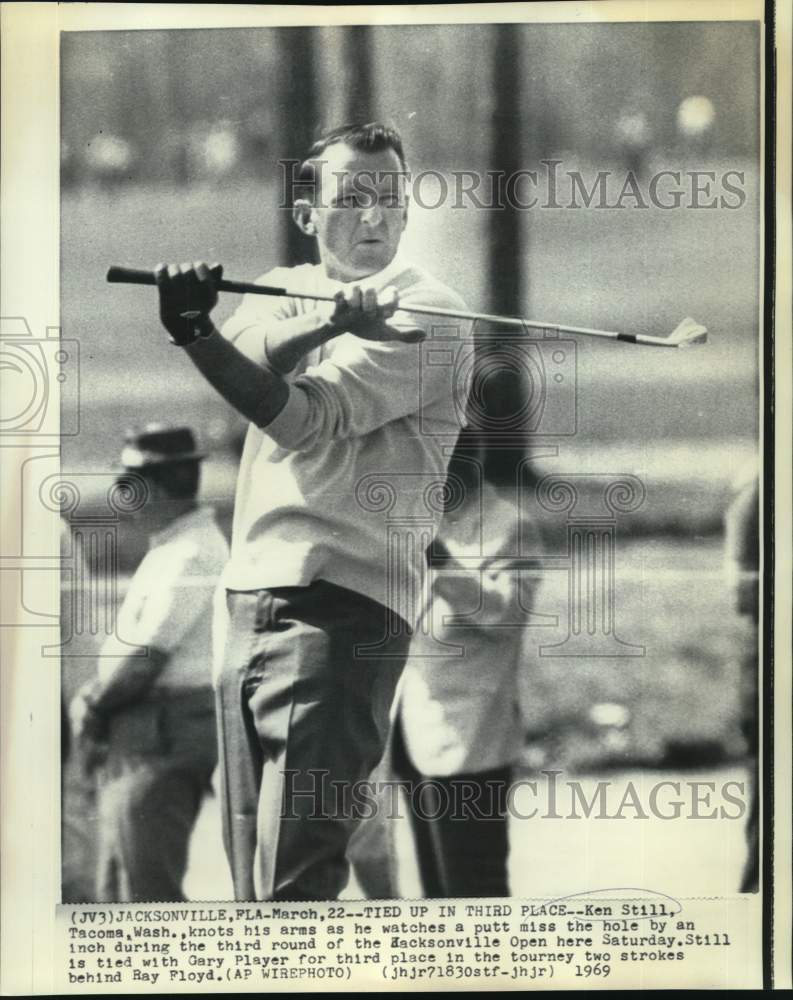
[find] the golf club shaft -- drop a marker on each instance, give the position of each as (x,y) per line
(134,276)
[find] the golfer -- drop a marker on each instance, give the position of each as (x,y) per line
(335,393)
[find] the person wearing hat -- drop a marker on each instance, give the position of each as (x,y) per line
(148,715)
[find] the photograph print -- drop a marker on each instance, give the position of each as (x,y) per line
(411,504)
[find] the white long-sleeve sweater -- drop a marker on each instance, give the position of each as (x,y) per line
(344,484)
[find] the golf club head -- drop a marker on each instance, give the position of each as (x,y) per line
(688,333)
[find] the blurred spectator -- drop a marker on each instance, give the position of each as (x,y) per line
(742,552)
(458,727)
(146,722)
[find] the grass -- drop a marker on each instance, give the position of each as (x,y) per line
(684,696)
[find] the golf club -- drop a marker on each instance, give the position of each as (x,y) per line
(686,334)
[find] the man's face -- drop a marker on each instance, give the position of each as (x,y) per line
(360,211)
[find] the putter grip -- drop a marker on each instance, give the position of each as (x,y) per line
(130,276)
(134,276)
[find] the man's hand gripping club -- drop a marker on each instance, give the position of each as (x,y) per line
(365,313)
(188,294)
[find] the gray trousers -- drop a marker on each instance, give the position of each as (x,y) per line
(161,754)
(303,720)
(458,829)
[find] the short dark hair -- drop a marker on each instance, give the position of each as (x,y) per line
(369,137)
(179,479)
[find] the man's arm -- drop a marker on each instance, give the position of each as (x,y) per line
(365,385)
(361,312)
(281,343)
(170,591)
(132,676)
(259,392)
(187,296)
